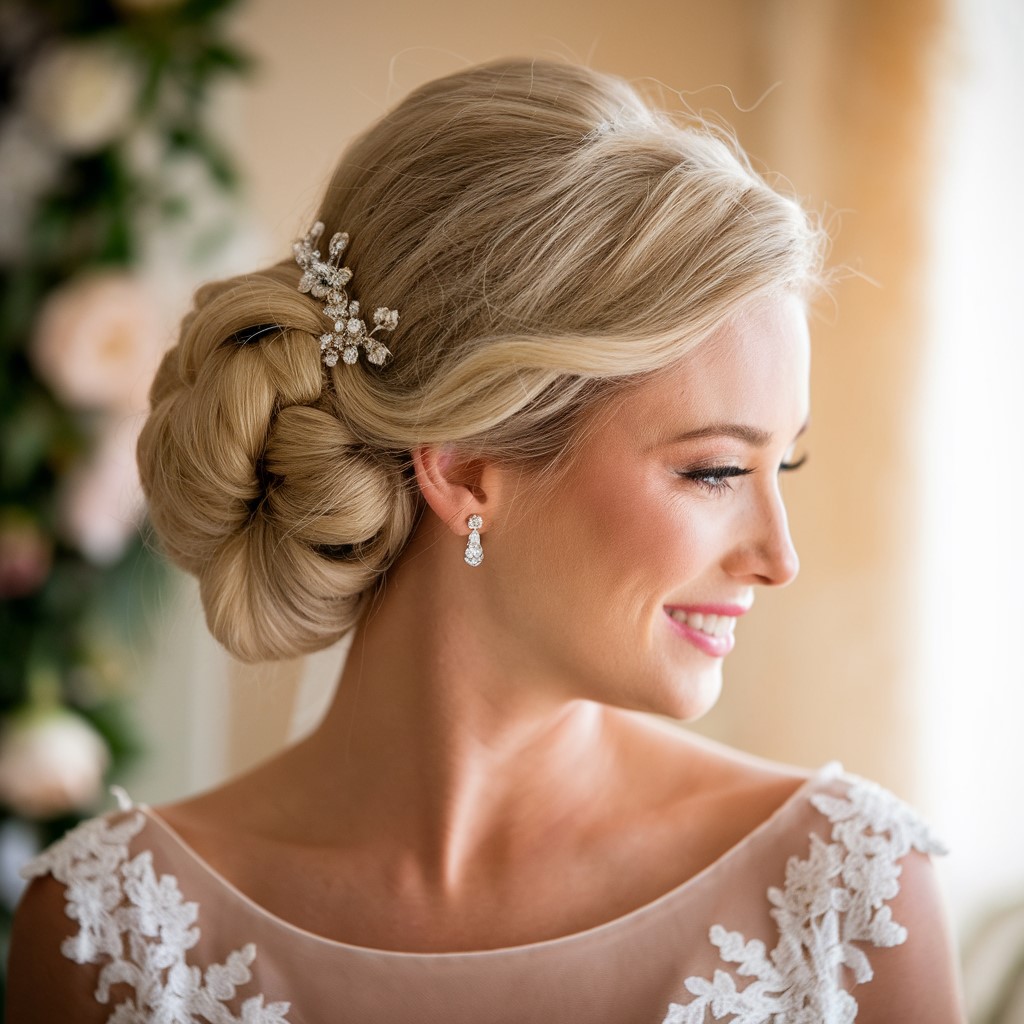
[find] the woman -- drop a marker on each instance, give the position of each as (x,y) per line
(541,484)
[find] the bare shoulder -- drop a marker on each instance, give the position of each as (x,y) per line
(43,982)
(706,771)
(226,824)
(714,794)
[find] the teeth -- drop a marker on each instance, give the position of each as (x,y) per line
(712,625)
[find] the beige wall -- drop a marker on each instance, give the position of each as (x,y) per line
(330,68)
(830,94)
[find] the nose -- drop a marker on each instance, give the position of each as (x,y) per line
(765,554)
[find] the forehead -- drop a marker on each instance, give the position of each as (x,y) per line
(754,370)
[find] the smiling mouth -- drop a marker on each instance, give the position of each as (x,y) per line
(709,625)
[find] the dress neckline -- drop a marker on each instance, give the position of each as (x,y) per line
(828,771)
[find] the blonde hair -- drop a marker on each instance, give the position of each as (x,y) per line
(546,237)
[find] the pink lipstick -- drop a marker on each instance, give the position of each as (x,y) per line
(708,627)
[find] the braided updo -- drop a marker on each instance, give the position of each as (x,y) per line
(545,236)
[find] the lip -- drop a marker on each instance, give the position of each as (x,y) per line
(713,646)
(732,610)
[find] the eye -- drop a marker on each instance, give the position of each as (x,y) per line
(788,467)
(714,479)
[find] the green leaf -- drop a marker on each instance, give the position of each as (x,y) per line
(225,58)
(29,431)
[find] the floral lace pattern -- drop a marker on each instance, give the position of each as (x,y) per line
(115,899)
(832,899)
(833,903)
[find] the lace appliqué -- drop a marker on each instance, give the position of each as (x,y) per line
(115,899)
(831,900)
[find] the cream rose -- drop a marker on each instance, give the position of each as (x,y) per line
(98,342)
(51,762)
(82,94)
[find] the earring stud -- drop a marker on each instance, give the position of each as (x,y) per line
(474,550)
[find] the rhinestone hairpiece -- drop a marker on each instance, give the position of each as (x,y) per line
(327,280)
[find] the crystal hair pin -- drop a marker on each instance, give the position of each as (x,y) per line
(327,280)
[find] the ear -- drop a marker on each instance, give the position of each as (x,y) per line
(456,485)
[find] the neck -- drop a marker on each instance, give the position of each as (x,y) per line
(452,754)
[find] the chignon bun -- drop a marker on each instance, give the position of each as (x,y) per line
(258,485)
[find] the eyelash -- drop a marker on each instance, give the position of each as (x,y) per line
(701,477)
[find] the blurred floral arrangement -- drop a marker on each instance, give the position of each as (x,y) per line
(110,173)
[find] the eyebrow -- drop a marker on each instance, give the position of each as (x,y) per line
(753,436)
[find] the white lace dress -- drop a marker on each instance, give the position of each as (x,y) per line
(781,929)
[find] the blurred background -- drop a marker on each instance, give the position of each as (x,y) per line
(147,145)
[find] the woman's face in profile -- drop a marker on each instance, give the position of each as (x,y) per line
(602,578)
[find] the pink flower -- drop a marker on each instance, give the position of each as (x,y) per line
(98,342)
(51,761)
(101,501)
(26,554)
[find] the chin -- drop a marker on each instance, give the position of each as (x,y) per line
(690,699)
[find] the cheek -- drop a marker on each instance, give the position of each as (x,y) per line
(684,535)
(605,530)
(630,545)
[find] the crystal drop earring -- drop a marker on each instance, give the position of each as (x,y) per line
(474,551)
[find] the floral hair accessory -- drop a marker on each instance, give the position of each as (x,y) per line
(327,280)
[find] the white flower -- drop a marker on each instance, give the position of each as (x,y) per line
(144,150)
(98,342)
(82,94)
(51,762)
(101,501)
